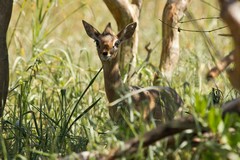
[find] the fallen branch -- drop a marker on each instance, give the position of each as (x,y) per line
(231,107)
(161,132)
(149,138)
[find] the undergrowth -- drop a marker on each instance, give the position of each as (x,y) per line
(57,105)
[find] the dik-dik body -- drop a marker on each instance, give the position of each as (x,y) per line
(159,103)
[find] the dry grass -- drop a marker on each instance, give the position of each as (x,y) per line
(50,52)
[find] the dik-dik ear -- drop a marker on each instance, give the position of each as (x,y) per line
(91,31)
(127,32)
(108,29)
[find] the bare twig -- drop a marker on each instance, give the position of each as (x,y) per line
(146,61)
(211,47)
(225,35)
(221,66)
(209,4)
(149,51)
(197,19)
(179,29)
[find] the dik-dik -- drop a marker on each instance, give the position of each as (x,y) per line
(159,103)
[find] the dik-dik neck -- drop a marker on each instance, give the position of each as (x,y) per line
(112,79)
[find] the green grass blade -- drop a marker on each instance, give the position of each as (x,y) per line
(34,120)
(3,147)
(17,22)
(83,113)
(47,116)
(80,98)
(60,22)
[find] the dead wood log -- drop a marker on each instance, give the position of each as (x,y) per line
(165,130)
(124,13)
(161,132)
(173,12)
(231,107)
(5,15)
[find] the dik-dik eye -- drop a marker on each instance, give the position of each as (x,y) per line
(117,43)
(97,43)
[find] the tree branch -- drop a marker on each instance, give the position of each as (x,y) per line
(231,107)
(167,130)
(121,11)
(230,12)
(130,147)
(161,132)
(221,66)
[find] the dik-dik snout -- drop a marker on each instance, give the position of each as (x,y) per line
(107,47)
(107,42)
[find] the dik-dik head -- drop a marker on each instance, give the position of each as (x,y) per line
(107,42)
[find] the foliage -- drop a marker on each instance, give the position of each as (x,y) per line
(54,106)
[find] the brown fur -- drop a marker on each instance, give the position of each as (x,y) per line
(159,103)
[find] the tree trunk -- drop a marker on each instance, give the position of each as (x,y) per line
(230,13)
(124,13)
(5,15)
(172,14)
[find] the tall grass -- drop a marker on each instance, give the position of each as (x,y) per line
(46,111)
(54,106)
